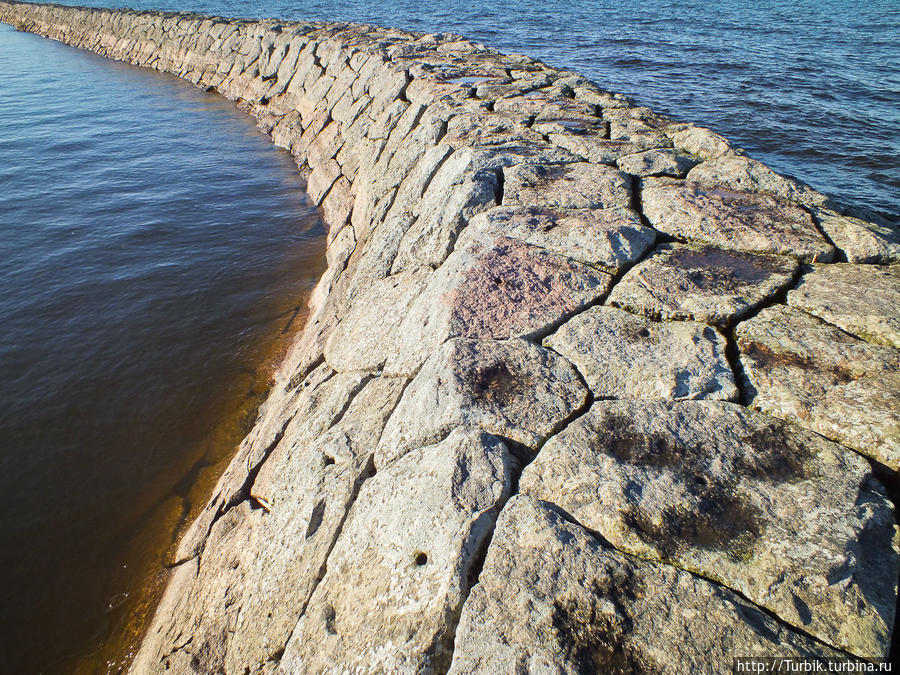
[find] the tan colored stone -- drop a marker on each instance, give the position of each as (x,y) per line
(793,522)
(622,355)
(553,599)
(566,186)
(511,389)
(863,300)
(402,567)
(802,369)
(703,283)
(610,239)
(741,221)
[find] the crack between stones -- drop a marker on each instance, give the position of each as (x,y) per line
(522,456)
(772,615)
(369,470)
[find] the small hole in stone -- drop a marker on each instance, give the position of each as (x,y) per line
(420,558)
(643,332)
(497,280)
(329,460)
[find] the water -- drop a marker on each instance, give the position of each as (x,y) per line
(810,87)
(153,248)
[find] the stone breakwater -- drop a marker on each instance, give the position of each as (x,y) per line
(583,389)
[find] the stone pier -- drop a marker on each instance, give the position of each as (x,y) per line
(583,389)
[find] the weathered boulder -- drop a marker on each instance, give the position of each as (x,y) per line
(492,288)
(611,239)
(305,409)
(702,283)
(511,389)
(743,173)
(658,162)
(857,240)
(699,141)
(863,300)
(590,145)
(741,221)
(370,330)
(622,355)
(308,488)
(553,599)
(791,521)
(802,369)
(403,564)
(578,185)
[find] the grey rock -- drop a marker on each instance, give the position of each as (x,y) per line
(487,128)
(370,331)
(458,190)
(857,240)
(306,408)
(595,148)
(622,355)
(699,141)
(659,162)
(742,221)
(610,239)
(739,172)
(402,566)
(577,185)
(309,485)
(545,106)
(701,283)
(791,521)
(802,369)
(552,599)
(863,300)
(490,288)
(512,389)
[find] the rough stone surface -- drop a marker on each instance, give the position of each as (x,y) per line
(793,522)
(863,300)
(622,355)
(857,240)
(403,561)
(493,289)
(701,283)
(511,389)
(742,221)
(699,141)
(552,599)
(370,331)
(578,185)
(802,369)
(611,239)
(743,173)
(659,162)
(471,196)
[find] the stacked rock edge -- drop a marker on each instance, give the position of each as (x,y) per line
(582,389)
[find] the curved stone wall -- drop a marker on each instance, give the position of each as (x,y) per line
(582,389)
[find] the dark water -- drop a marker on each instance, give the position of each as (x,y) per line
(153,248)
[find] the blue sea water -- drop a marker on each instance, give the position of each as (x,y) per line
(151,241)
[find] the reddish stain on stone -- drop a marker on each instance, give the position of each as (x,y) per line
(515,289)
